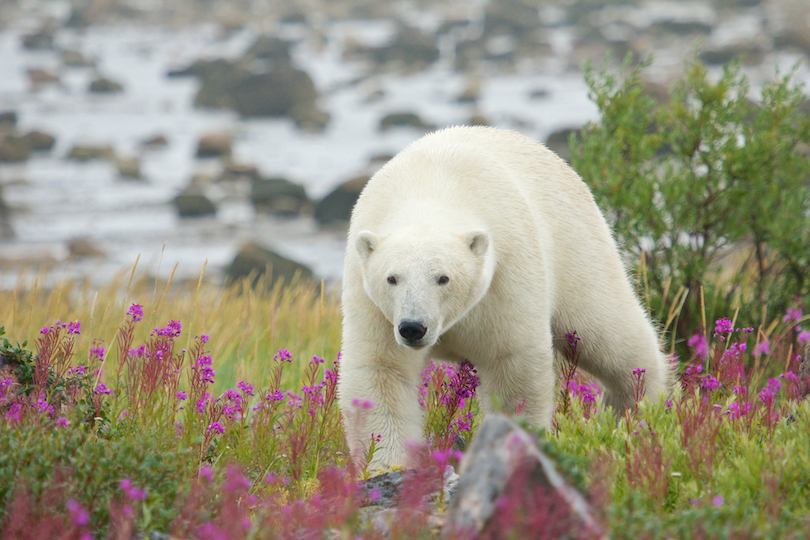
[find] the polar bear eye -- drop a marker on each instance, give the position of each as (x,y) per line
(444,280)
(392,280)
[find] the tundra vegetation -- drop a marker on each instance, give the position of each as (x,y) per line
(207,412)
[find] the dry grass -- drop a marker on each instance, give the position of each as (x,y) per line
(247,325)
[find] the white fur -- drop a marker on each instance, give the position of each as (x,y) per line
(529,258)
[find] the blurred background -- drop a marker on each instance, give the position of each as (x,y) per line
(240,132)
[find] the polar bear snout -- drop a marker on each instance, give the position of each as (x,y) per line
(412,333)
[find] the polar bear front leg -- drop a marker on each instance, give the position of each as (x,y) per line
(522,381)
(379,396)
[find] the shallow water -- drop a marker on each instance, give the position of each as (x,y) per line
(58,200)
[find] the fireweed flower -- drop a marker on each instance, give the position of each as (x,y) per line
(722,326)
(4,384)
(792,315)
(97,351)
(182,395)
(768,394)
(136,312)
(207,473)
(62,422)
(283,355)
(246,388)
(78,370)
(698,344)
(364,404)
(740,411)
(78,515)
(133,493)
(202,403)
(14,413)
(74,328)
(275,395)
(804,337)
(215,427)
(102,389)
(764,347)
(710,383)
(42,406)
(572,339)
(293,400)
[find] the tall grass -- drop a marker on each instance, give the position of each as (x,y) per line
(247,324)
(153,444)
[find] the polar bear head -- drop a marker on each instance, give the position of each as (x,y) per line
(424,282)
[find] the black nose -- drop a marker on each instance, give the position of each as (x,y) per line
(411,331)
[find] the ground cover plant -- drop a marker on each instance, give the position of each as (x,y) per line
(206,412)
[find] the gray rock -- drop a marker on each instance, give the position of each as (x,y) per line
(234,172)
(75,59)
(410,48)
(404,119)
(558,141)
(129,168)
(214,145)
(511,17)
(752,54)
(14,149)
(192,203)
(263,82)
(40,141)
(80,248)
(156,141)
(8,119)
(253,262)
(87,152)
(384,490)
(278,196)
(40,77)
(40,40)
(102,85)
(6,232)
(503,465)
(336,207)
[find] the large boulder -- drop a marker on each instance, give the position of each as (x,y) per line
(278,196)
(193,203)
(506,483)
(256,261)
(262,83)
(336,207)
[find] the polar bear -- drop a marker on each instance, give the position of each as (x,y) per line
(478,243)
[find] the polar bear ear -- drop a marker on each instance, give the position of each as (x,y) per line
(365,243)
(478,241)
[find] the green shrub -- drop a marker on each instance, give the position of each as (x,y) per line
(710,187)
(89,469)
